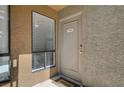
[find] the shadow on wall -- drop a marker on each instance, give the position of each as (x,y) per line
(25,75)
(22,74)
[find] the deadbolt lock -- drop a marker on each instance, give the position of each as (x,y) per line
(81,48)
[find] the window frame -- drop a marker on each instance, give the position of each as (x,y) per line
(9,49)
(53,51)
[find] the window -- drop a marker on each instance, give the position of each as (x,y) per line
(43,46)
(4,44)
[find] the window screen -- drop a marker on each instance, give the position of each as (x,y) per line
(43,45)
(4,44)
(3,29)
(4,68)
(38,61)
(43,33)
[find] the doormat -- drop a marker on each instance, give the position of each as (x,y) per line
(66,82)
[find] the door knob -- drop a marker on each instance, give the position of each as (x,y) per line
(81,52)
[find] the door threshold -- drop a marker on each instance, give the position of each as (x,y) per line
(67,80)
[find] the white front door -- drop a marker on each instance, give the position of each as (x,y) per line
(70,48)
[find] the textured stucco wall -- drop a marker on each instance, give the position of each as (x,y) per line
(70,10)
(103,57)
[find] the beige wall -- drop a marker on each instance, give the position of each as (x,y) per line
(21,44)
(103,42)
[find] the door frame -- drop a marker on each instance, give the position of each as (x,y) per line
(74,17)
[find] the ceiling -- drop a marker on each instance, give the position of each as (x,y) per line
(57,7)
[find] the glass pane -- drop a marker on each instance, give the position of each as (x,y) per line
(3,29)
(49,59)
(43,33)
(38,61)
(4,68)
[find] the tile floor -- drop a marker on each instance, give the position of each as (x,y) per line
(50,83)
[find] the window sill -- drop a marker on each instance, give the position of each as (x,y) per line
(40,69)
(51,66)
